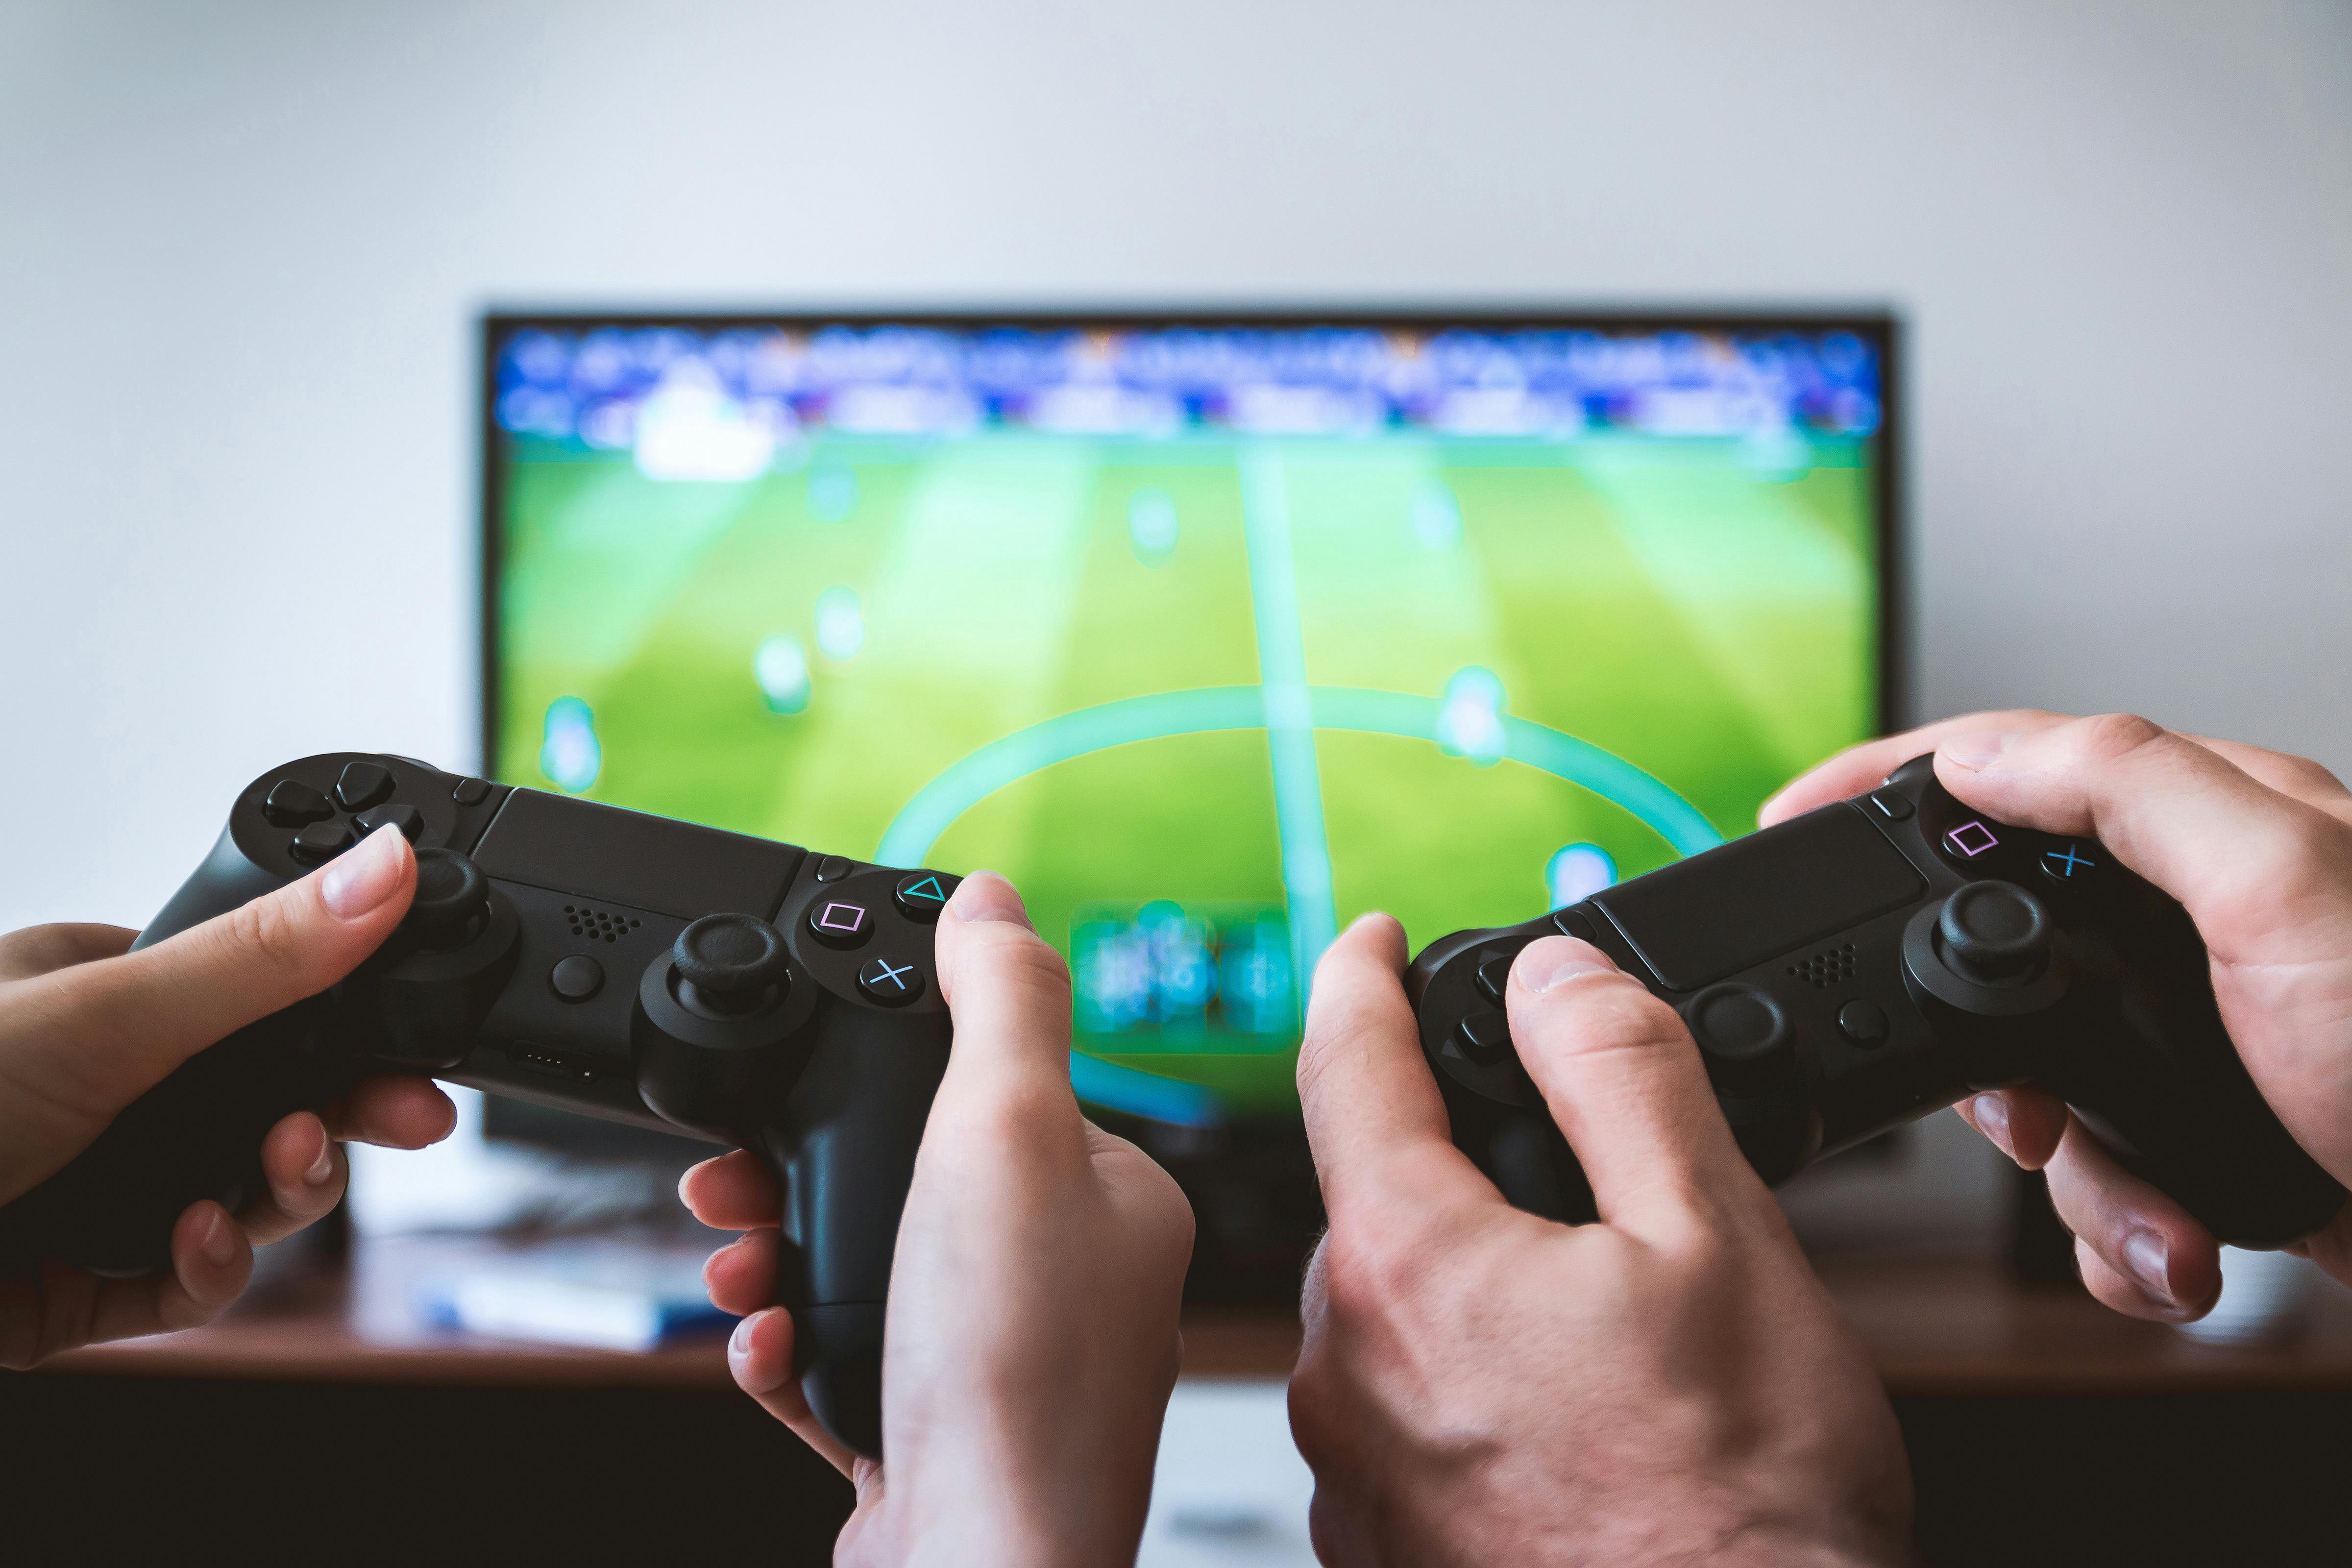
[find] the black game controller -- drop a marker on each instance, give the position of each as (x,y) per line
(602,961)
(1881,958)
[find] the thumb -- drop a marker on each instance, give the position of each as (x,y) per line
(1009,994)
(1622,1077)
(2235,851)
(103,1033)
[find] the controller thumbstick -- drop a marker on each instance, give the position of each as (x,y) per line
(452,895)
(726,965)
(1994,933)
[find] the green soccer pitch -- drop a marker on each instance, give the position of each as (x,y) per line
(1204,670)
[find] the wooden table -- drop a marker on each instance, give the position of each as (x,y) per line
(2043,1427)
(1936,1325)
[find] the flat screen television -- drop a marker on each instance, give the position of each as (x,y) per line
(1211,630)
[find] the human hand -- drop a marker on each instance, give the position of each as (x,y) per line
(1668,1384)
(2257,846)
(86,1026)
(1031,1342)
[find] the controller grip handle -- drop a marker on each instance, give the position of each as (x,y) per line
(197,1134)
(2202,1133)
(843,1154)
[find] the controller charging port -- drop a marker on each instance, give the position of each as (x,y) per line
(555,1064)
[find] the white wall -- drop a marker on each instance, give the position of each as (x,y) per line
(240,248)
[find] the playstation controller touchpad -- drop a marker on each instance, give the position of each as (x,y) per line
(1782,887)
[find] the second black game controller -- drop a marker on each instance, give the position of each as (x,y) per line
(1881,958)
(627,966)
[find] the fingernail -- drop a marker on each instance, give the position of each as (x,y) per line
(219,1244)
(1975,752)
(1991,1113)
(1557,960)
(2149,1259)
(739,1358)
(324,1165)
(361,878)
(986,896)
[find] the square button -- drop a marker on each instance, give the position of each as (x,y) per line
(839,923)
(1970,839)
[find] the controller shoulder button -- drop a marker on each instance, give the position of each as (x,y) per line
(292,803)
(319,843)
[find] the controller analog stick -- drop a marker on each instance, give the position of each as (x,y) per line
(1744,1036)
(1994,933)
(726,965)
(452,894)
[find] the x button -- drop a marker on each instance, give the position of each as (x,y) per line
(891,985)
(2064,865)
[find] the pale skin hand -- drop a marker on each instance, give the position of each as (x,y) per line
(1670,1384)
(1032,1340)
(86,1026)
(2257,846)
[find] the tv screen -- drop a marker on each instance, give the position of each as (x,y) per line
(1210,633)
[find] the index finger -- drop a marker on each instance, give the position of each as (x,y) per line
(1862,767)
(1375,1119)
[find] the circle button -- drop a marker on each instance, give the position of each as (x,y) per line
(576,978)
(891,982)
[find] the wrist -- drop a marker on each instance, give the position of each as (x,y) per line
(1778,1543)
(985,1516)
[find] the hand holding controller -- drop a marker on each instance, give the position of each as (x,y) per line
(602,961)
(2257,846)
(1033,1296)
(1877,959)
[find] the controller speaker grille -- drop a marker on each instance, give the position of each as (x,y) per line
(1823,970)
(598,925)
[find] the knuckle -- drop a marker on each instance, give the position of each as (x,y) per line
(2107,737)
(1372,1274)
(266,931)
(1618,1017)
